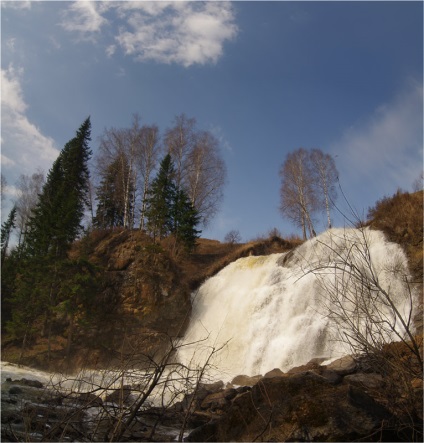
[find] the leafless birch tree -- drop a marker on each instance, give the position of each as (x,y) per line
(308,180)
(29,187)
(147,162)
(298,192)
(206,176)
(324,167)
(179,142)
(121,147)
(199,168)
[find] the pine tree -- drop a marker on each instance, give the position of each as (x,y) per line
(161,199)
(56,220)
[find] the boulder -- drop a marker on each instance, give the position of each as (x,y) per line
(297,407)
(276,372)
(218,400)
(245,380)
(119,395)
(343,366)
(367,381)
(212,387)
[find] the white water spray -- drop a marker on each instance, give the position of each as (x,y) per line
(271,309)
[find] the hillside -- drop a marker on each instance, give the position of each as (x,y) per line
(143,299)
(144,293)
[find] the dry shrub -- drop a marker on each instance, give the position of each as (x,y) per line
(400,217)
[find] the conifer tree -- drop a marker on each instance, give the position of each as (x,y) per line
(161,199)
(169,210)
(111,207)
(53,226)
(56,220)
(6,230)
(185,220)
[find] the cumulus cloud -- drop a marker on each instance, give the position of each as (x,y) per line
(24,147)
(185,33)
(385,152)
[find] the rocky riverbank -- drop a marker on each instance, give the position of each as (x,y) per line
(345,400)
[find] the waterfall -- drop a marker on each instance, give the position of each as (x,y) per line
(273,311)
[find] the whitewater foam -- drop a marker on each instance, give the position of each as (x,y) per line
(270,311)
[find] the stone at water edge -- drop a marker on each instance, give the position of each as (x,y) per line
(343,366)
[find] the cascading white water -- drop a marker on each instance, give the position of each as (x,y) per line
(272,310)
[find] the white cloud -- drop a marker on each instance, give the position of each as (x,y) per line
(10,44)
(11,92)
(218,132)
(6,161)
(185,33)
(385,152)
(84,18)
(16,4)
(24,147)
(110,50)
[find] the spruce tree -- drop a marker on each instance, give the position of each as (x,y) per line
(53,226)
(56,220)
(185,220)
(161,199)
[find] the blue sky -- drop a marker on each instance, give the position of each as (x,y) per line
(264,77)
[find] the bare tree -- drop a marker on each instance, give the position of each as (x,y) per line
(179,142)
(233,237)
(120,147)
(199,168)
(126,403)
(371,305)
(206,176)
(324,167)
(298,191)
(29,188)
(147,162)
(418,183)
(3,186)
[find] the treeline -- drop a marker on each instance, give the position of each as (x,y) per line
(169,186)
(128,158)
(39,277)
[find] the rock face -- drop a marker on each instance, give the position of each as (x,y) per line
(310,403)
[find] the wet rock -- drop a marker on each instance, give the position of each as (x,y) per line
(299,407)
(212,387)
(343,366)
(276,372)
(15,390)
(119,395)
(218,400)
(367,381)
(88,399)
(332,376)
(245,380)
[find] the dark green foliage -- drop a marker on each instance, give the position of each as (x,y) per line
(6,230)
(111,205)
(42,276)
(160,202)
(185,220)
(169,210)
(56,220)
